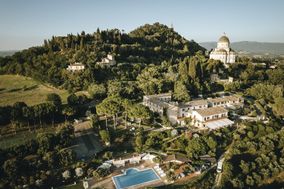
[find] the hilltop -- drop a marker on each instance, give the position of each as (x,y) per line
(148,44)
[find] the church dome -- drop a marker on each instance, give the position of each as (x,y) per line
(224,39)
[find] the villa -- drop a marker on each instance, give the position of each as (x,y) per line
(132,159)
(211,118)
(226,101)
(76,67)
(107,61)
(184,108)
(210,113)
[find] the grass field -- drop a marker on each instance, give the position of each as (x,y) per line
(15,88)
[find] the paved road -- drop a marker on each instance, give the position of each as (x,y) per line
(224,156)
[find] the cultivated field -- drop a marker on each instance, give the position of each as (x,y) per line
(15,88)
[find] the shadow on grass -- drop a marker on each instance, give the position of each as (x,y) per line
(15,90)
(30,88)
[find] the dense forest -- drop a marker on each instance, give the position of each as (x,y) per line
(256,159)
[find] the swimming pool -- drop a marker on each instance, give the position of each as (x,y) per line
(133,177)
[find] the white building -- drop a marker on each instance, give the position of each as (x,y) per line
(211,118)
(209,113)
(226,101)
(76,67)
(184,108)
(157,103)
(108,61)
(173,113)
(223,52)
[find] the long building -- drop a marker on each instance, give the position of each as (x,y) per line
(211,118)
(208,113)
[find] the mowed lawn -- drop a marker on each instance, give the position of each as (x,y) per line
(15,88)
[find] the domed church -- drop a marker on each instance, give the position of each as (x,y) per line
(223,52)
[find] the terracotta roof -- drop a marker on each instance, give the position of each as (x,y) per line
(158,102)
(224,99)
(211,111)
(232,98)
(197,102)
(159,95)
(176,157)
(208,158)
(128,156)
(221,99)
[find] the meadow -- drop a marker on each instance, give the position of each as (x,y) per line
(16,88)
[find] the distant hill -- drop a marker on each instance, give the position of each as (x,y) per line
(7,53)
(252,47)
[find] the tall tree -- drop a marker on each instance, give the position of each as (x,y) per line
(181,92)
(105,136)
(278,107)
(140,112)
(192,68)
(17,116)
(55,99)
(68,111)
(183,69)
(110,106)
(139,140)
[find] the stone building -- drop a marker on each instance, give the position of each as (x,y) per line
(223,52)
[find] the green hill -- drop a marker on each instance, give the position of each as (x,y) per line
(47,63)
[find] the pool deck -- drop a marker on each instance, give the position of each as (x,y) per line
(146,183)
(108,183)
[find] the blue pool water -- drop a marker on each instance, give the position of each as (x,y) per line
(133,177)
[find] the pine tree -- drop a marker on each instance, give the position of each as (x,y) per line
(183,70)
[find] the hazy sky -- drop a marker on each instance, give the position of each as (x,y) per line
(25,23)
